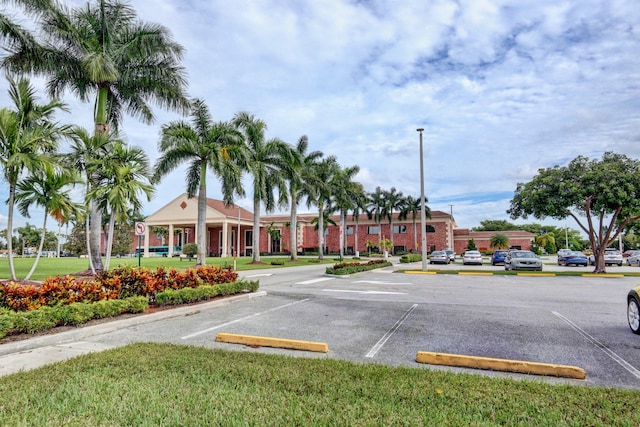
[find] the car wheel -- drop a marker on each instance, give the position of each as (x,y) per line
(633,315)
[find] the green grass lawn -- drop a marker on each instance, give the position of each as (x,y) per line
(48,267)
(164,384)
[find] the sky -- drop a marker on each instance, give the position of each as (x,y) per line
(501,88)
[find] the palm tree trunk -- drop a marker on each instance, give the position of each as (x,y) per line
(321,230)
(293,228)
(202,218)
(256,229)
(95,233)
(35,263)
(11,202)
(391,232)
(88,234)
(112,223)
(355,244)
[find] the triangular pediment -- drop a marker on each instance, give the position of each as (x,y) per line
(180,210)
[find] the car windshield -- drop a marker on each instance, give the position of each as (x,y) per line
(523,255)
(472,253)
(576,253)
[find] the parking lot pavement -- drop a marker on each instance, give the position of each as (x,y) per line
(376,317)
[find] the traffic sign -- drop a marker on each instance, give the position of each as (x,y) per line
(141,227)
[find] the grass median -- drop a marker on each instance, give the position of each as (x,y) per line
(164,384)
(49,267)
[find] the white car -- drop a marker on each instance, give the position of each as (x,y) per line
(472,257)
(634,259)
(611,256)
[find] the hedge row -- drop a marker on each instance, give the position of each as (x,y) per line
(204,292)
(356,267)
(118,283)
(410,258)
(43,318)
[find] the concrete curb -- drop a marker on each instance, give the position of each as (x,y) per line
(519,366)
(103,328)
(604,276)
(251,340)
(420,272)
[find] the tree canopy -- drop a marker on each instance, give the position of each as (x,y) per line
(602,196)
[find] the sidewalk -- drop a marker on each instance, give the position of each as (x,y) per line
(39,351)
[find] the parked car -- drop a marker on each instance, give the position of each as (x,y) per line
(452,255)
(498,256)
(522,260)
(633,309)
(628,253)
(572,258)
(472,257)
(563,252)
(634,259)
(439,257)
(611,256)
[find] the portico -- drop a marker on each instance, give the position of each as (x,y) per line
(224,225)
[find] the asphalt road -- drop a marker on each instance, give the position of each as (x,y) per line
(382,317)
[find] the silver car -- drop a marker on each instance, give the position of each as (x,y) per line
(472,257)
(522,260)
(611,256)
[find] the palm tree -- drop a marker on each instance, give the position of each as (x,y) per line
(28,137)
(359,206)
(205,145)
(266,163)
(392,201)
(499,241)
(412,207)
(344,191)
(300,181)
(323,225)
(125,175)
(101,52)
(49,188)
(324,172)
(374,208)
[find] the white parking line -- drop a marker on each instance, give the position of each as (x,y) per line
(222,325)
(606,350)
(309,282)
(364,292)
(390,332)
(378,282)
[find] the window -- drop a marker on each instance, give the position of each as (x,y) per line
(349,231)
(400,229)
(374,229)
(430,229)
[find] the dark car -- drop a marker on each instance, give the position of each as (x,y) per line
(572,258)
(498,257)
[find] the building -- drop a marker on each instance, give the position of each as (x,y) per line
(231,227)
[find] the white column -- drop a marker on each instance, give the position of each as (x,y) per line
(170,240)
(224,244)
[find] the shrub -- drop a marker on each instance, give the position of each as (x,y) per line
(410,258)
(190,250)
(356,267)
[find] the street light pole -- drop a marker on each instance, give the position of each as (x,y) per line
(423,216)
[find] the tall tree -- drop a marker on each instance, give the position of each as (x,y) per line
(393,201)
(28,138)
(266,163)
(324,171)
(49,188)
(596,190)
(101,52)
(359,206)
(300,180)
(204,145)
(123,179)
(375,207)
(343,194)
(412,207)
